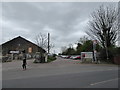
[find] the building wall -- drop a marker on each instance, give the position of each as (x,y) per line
(19,44)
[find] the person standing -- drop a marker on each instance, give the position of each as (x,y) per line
(24,60)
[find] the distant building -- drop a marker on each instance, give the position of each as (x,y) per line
(18,44)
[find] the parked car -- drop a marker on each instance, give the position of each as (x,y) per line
(72,57)
(63,56)
(66,56)
(76,57)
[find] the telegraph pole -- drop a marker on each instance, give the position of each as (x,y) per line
(48,43)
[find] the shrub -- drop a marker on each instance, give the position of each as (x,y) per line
(36,61)
(6,59)
(87,60)
(112,52)
(51,58)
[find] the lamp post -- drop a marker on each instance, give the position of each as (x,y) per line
(48,43)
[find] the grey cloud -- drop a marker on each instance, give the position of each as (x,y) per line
(65,21)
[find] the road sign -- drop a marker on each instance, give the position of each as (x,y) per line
(87,54)
(14,52)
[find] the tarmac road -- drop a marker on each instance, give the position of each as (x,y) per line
(62,73)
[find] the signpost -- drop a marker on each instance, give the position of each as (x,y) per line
(86,55)
(94,50)
(12,52)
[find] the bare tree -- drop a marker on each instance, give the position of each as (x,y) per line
(70,45)
(42,41)
(63,48)
(83,39)
(118,24)
(103,26)
(51,46)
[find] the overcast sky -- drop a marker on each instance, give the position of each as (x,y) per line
(66,22)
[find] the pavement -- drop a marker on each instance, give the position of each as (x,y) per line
(61,73)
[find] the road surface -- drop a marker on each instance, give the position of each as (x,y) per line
(62,73)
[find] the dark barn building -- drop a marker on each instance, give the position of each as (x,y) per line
(19,44)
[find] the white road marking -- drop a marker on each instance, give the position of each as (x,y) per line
(104,81)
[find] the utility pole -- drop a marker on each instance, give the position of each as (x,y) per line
(48,43)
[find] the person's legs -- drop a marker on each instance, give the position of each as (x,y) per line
(23,66)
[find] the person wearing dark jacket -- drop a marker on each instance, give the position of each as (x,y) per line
(24,60)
